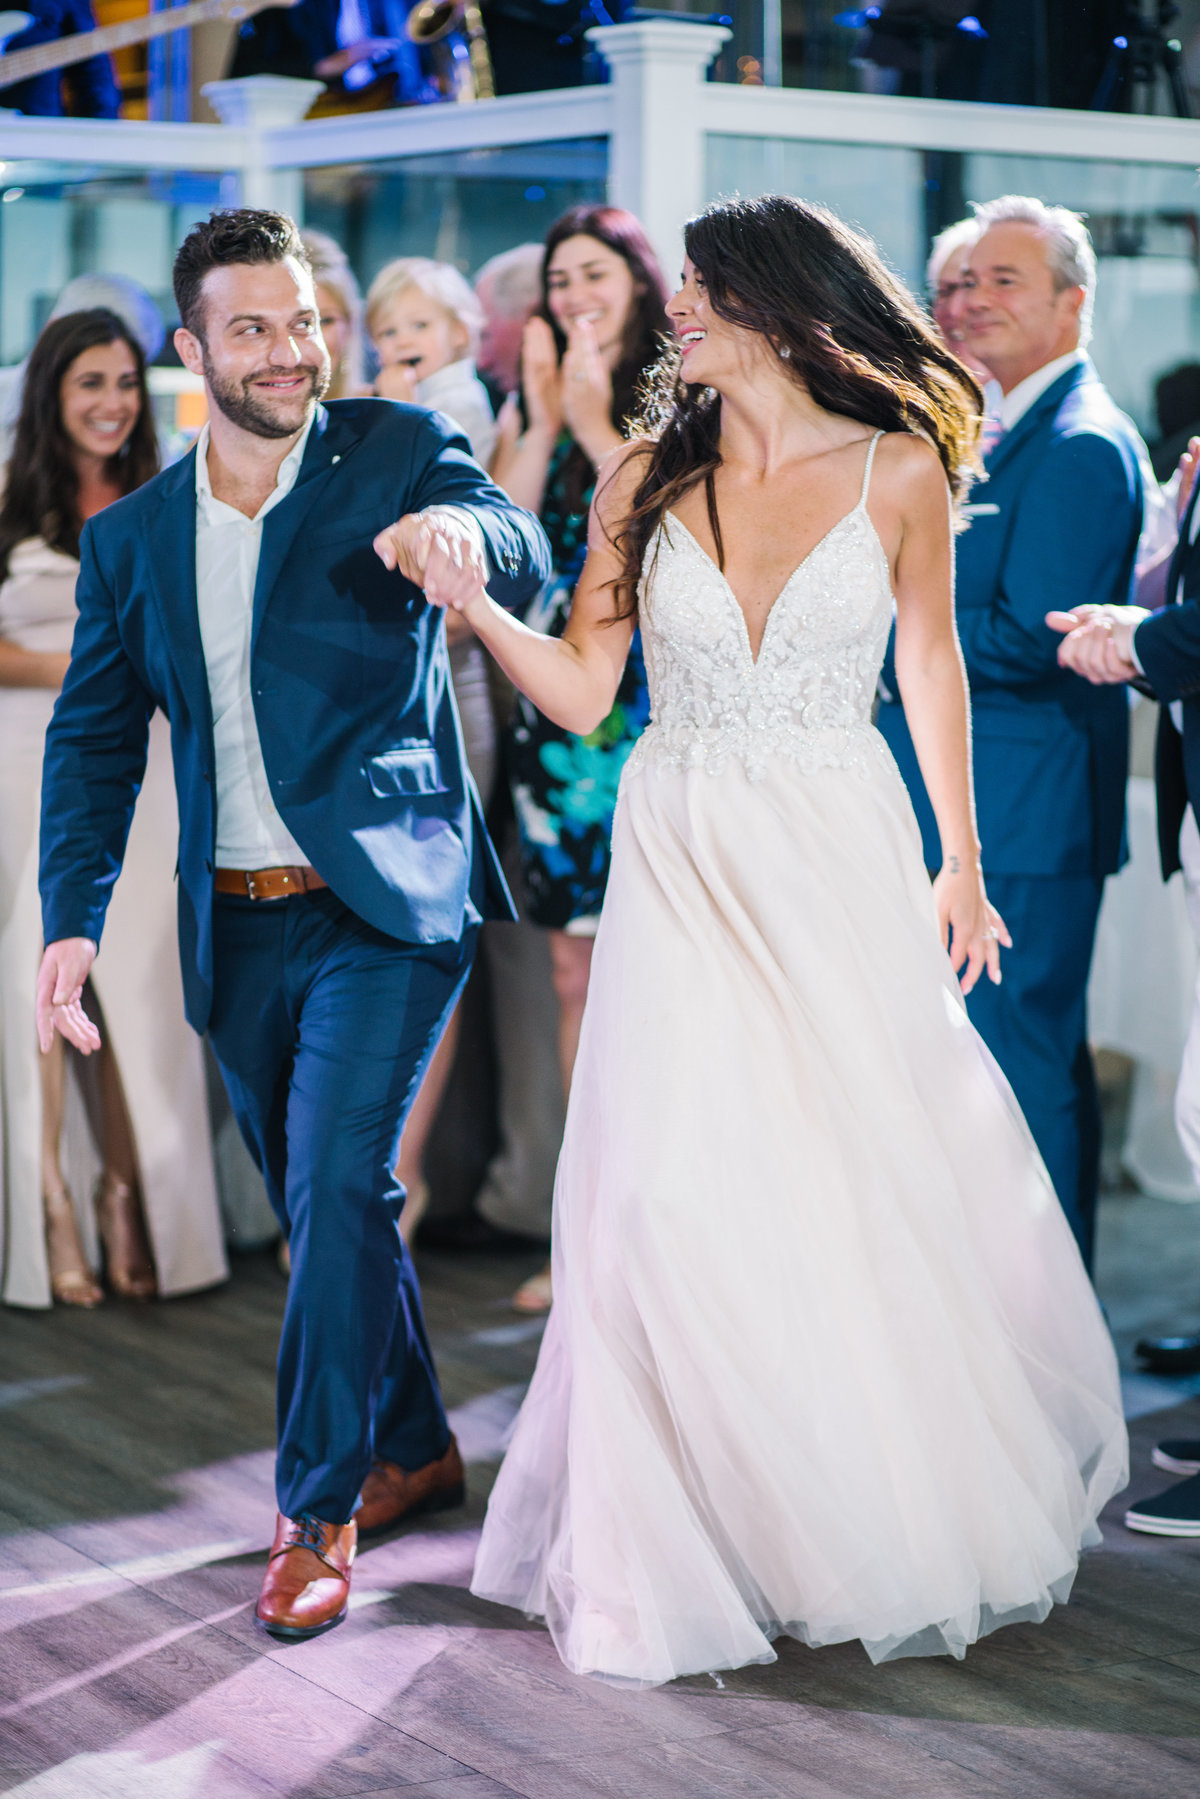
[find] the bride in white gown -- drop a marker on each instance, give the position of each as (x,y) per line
(823,1357)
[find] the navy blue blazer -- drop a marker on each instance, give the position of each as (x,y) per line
(1168,648)
(1055,525)
(350,679)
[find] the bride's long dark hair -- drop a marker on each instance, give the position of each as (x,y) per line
(843,326)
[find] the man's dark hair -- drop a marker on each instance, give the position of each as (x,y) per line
(244,235)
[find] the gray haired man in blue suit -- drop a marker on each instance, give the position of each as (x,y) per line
(1056,525)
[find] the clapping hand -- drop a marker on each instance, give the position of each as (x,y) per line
(541,378)
(436,551)
(587,394)
(1098,641)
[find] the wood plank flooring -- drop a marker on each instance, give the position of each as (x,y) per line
(135,1503)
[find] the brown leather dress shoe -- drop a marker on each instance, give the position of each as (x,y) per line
(391,1492)
(307,1584)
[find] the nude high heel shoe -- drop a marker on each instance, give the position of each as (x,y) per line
(535,1296)
(71,1280)
(127,1261)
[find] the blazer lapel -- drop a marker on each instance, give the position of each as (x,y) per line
(171,530)
(1032,419)
(330,441)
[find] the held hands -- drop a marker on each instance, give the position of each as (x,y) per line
(438,552)
(65,967)
(1098,641)
(972,929)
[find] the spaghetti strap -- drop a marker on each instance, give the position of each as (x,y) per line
(862,498)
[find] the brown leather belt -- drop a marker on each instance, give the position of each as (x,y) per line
(267,883)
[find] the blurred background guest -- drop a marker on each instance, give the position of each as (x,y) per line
(518,1186)
(424,321)
(1177,410)
(133,305)
(340,300)
(1057,524)
(945,280)
(598,330)
(85,438)
(508,288)
(946,285)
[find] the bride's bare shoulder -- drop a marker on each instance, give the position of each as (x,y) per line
(909,473)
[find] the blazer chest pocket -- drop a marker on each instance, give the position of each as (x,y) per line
(349,530)
(406,771)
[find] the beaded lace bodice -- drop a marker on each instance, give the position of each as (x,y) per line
(807,697)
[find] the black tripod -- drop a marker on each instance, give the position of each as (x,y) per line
(1138,56)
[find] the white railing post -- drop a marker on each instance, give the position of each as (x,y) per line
(257,104)
(656,150)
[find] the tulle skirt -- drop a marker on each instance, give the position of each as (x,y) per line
(823,1357)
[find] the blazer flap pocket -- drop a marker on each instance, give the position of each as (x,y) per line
(408,768)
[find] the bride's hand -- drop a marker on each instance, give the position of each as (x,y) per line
(455,576)
(972,929)
(436,551)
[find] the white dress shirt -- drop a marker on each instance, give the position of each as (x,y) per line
(1016,403)
(250,832)
(457,391)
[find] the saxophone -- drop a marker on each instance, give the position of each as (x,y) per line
(453,32)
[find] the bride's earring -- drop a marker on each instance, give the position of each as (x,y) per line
(785,353)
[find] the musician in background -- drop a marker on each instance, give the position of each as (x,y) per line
(85,90)
(360,46)
(355,45)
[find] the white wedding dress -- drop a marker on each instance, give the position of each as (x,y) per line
(823,1358)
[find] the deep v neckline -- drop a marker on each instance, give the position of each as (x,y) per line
(845,519)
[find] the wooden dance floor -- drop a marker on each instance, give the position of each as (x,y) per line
(135,1503)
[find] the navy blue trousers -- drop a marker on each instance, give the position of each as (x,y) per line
(323,1027)
(1035,1024)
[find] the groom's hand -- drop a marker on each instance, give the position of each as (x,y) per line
(408,544)
(1097,641)
(65,967)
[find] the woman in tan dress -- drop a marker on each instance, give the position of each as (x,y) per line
(110,1163)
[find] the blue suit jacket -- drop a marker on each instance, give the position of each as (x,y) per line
(350,682)
(1055,525)
(1168,648)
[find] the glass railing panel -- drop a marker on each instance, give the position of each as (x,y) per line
(460,206)
(881,190)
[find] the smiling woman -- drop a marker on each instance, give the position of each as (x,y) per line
(84,439)
(585,353)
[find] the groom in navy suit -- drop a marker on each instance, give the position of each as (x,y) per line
(1056,524)
(267,593)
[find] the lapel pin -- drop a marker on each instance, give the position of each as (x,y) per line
(334,459)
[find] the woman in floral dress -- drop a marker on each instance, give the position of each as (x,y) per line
(584,355)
